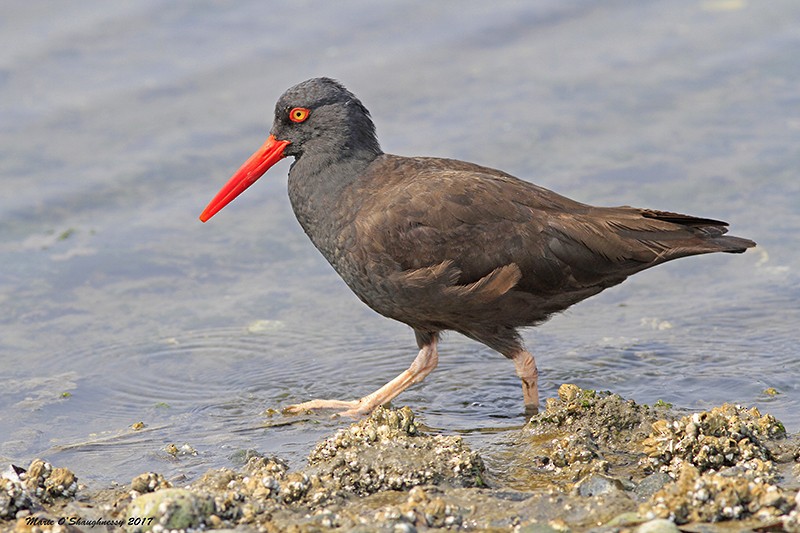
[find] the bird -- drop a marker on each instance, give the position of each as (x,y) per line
(446,245)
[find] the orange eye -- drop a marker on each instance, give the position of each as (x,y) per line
(298,114)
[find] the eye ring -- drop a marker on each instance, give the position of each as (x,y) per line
(299,114)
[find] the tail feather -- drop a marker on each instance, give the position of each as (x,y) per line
(713,230)
(683,220)
(733,245)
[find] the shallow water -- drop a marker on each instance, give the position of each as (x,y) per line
(119,123)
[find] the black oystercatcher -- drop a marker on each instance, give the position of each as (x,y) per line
(441,244)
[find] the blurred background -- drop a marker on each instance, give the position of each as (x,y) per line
(120,121)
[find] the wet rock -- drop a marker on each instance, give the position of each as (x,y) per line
(651,484)
(596,485)
(540,527)
(169,509)
(627,519)
(658,525)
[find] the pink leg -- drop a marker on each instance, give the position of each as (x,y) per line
(529,374)
(426,361)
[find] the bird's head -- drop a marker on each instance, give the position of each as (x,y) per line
(318,119)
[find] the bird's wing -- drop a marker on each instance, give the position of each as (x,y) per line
(477,220)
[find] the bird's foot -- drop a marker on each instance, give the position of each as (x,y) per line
(531,409)
(353,408)
(425,362)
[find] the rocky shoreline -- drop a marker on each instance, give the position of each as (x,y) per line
(589,461)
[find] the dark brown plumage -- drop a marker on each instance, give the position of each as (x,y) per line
(441,244)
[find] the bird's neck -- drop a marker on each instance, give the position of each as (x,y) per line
(318,182)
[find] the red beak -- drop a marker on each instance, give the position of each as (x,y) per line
(255,167)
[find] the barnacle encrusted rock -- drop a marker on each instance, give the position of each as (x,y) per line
(149,482)
(422,508)
(13,498)
(169,509)
(48,483)
(713,497)
(241,496)
(577,436)
(61,483)
(22,490)
(608,461)
(722,465)
(383,452)
(607,417)
(791,522)
(387,452)
(725,436)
